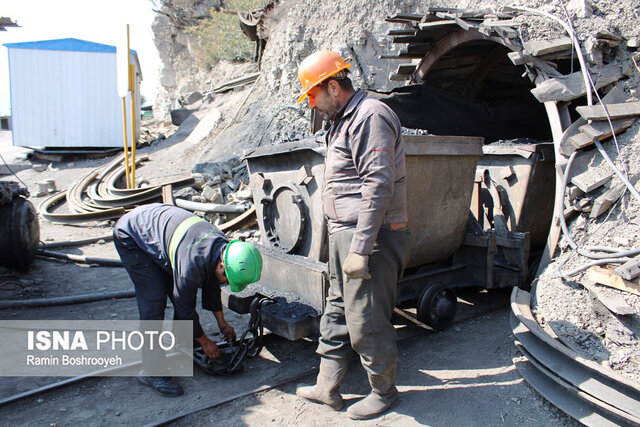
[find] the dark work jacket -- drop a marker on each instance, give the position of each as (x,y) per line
(151,226)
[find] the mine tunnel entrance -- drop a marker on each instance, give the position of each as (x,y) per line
(467,85)
(472,90)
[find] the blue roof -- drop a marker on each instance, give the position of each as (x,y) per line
(72,45)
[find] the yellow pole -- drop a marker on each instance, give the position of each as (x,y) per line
(132,89)
(126,145)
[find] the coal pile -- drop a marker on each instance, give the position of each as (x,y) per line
(289,310)
(408,131)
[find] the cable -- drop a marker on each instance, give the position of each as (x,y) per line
(574,40)
(613,255)
(13,173)
(288,107)
(626,182)
(76,299)
(106,262)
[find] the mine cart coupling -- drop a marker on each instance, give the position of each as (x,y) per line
(232,354)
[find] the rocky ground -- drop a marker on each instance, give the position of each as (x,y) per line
(356,29)
(466,375)
(567,305)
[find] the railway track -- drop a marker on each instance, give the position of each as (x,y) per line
(584,390)
(413,330)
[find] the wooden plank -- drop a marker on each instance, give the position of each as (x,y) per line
(167,195)
(404,18)
(602,130)
(436,24)
(468,13)
(580,140)
(614,303)
(542,47)
(402,32)
(506,32)
(547,67)
(396,77)
(574,139)
(606,276)
(604,202)
(406,68)
(569,87)
(500,23)
(591,179)
(403,55)
(616,111)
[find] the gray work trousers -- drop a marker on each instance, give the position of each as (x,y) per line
(358,312)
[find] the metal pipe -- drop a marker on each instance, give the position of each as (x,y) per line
(210,207)
(75,299)
(107,262)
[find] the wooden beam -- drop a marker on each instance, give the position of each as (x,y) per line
(542,47)
(604,202)
(606,276)
(616,111)
(601,129)
(167,195)
(436,24)
(569,87)
(444,45)
(402,32)
(591,179)
(573,138)
(397,77)
(549,68)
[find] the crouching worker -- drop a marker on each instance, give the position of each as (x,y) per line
(170,252)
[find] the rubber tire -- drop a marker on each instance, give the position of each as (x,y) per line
(437,306)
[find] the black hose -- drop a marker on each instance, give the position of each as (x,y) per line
(45,245)
(107,262)
(75,299)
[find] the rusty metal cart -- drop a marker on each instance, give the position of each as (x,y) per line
(449,247)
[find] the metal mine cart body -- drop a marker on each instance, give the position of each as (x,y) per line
(449,246)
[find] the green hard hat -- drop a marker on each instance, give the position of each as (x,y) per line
(242,264)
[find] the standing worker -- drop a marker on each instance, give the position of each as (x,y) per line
(364,198)
(170,252)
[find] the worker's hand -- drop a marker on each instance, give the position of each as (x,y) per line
(209,347)
(356,266)
(228,331)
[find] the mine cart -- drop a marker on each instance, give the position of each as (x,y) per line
(450,246)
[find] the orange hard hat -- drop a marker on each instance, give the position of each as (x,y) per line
(318,67)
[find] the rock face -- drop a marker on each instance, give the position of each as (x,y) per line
(179,74)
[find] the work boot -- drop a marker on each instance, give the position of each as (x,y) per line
(164,386)
(373,405)
(329,380)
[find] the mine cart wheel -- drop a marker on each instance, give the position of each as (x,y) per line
(437,306)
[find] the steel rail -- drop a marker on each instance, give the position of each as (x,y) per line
(601,393)
(53,386)
(50,387)
(76,218)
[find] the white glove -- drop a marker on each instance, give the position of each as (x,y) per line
(356,266)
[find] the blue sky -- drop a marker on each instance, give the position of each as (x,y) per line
(92,20)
